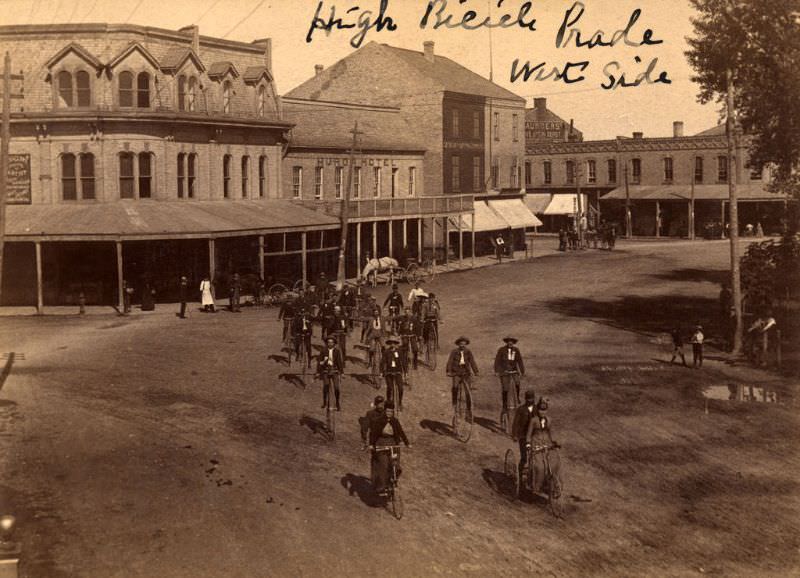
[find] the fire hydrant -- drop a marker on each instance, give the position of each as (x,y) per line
(82,303)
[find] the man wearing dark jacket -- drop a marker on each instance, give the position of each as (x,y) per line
(385,431)
(461,366)
(330,368)
(508,365)
(393,369)
(519,430)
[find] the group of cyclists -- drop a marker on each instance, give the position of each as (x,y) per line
(393,334)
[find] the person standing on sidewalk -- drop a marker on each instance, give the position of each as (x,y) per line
(500,246)
(207,292)
(697,347)
(183,290)
(677,346)
(234,293)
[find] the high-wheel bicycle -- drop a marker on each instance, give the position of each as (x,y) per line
(330,410)
(431,344)
(551,484)
(462,417)
(394,497)
(374,362)
(302,356)
(507,413)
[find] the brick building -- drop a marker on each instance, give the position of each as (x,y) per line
(470,131)
(660,179)
(144,154)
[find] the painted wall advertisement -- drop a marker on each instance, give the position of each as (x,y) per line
(19,180)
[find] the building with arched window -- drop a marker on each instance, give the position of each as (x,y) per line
(143,154)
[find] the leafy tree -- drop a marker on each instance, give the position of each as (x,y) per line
(760,41)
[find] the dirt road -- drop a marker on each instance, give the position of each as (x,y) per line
(155,446)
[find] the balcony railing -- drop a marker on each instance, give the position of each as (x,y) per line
(399,207)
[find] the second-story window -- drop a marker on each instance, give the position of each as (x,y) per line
(477,181)
(181,175)
(722,169)
(356,182)
(135,175)
(528,174)
(262,176)
(187,168)
(227,95)
(412,181)
(591,171)
(77,177)
(338,177)
(456,122)
(668,169)
(455,174)
(612,170)
(698,169)
(570,172)
(126,89)
(143,90)
(145,175)
(74,90)
(187,93)
(496,126)
(226,176)
(476,124)
(297,182)
(245,177)
(377,184)
(515,127)
(548,173)
(495,173)
(127,178)
(636,170)
(318,183)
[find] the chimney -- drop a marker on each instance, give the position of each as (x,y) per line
(194,30)
(266,46)
(540,103)
(677,128)
(638,135)
(318,68)
(428,50)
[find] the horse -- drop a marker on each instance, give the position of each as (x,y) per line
(375,266)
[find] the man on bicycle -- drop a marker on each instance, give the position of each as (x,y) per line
(461,366)
(330,368)
(508,365)
(410,333)
(414,297)
(431,315)
(376,411)
(347,301)
(287,313)
(302,329)
(326,313)
(339,329)
(393,369)
(385,431)
(519,430)
(539,437)
(394,305)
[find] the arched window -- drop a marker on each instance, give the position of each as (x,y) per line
(126,89)
(83,88)
(261,101)
(262,176)
(181,173)
(136,175)
(245,176)
(226,176)
(143,90)
(181,92)
(69,181)
(87,176)
(190,175)
(127,179)
(191,94)
(227,90)
(65,89)
(145,175)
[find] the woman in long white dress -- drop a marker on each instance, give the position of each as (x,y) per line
(208,296)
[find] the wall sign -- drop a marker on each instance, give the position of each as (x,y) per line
(18,191)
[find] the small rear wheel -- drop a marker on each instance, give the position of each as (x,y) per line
(504,420)
(276,294)
(512,473)
(554,492)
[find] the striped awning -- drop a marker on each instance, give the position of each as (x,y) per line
(515,213)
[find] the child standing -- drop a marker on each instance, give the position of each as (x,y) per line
(697,347)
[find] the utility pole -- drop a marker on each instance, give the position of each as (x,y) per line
(579,220)
(733,233)
(5,137)
(341,273)
(628,224)
(691,202)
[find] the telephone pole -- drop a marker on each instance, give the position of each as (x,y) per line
(5,137)
(628,224)
(341,272)
(733,233)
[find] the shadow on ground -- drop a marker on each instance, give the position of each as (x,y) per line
(698,275)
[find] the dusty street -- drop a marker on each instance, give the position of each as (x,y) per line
(155,446)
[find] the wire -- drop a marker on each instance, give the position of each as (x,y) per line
(34,6)
(243,19)
(135,8)
(74,10)
(86,16)
(55,12)
(209,9)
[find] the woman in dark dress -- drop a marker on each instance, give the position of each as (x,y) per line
(385,431)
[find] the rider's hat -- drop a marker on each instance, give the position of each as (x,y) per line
(530,395)
(392,340)
(510,339)
(542,405)
(331,338)
(394,285)
(378,400)
(461,340)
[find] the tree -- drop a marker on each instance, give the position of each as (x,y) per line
(759,40)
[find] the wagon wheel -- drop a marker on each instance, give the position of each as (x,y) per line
(300,284)
(276,293)
(411,272)
(430,270)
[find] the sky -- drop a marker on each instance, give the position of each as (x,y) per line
(599,113)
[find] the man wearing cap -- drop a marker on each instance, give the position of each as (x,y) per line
(394,305)
(375,412)
(411,332)
(393,368)
(330,368)
(461,366)
(347,300)
(508,365)
(697,347)
(431,313)
(287,312)
(339,328)
(302,329)
(234,292)
(519,429)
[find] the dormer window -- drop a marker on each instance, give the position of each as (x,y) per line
(143,90)
(74,89)
(261,101)
(227,93)
(187,92)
